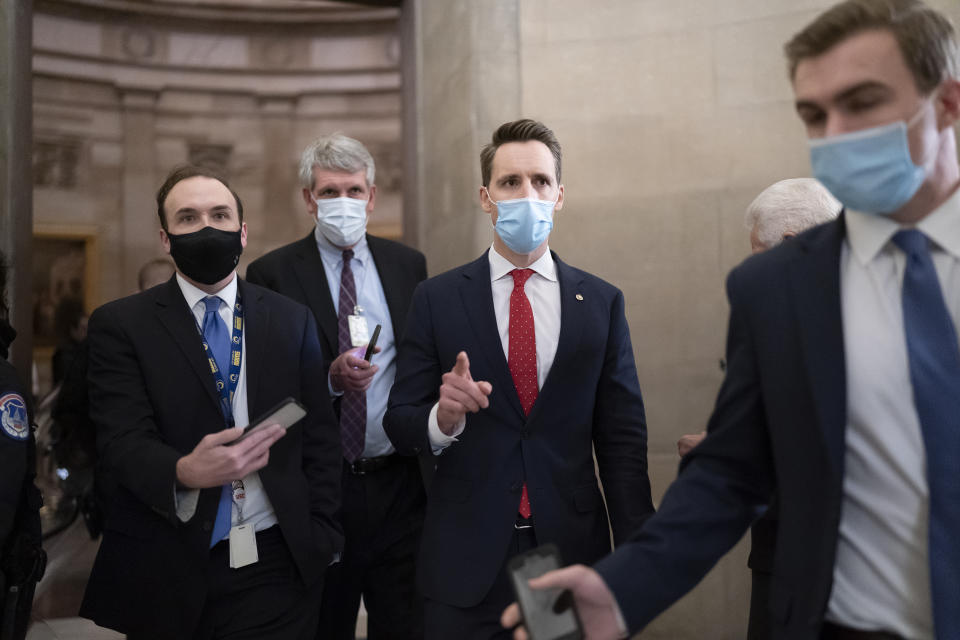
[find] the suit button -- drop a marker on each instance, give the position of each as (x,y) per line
(207,526)
(525,434)
(416,449)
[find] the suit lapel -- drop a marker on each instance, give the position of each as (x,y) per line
(313,280)
(815,279)
(477,297)
(571,327)
(391,282)
(256,323)
(179,322)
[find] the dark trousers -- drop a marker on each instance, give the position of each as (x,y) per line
(382,517)
(266,600)
(759,627)
(481,622)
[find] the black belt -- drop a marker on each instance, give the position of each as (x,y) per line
(363,466)
(833,631)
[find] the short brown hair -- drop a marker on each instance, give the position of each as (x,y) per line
(927,39)
(518,131)
(180,174)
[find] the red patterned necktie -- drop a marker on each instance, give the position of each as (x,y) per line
(353,404)
(522,356)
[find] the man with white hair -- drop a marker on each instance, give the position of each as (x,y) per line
(781,211)
(787,208)
(353,282)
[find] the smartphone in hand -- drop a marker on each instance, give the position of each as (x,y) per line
(372,344)
(287,413)
(548,614)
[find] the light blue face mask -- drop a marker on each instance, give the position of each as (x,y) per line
(523,224)
(869,170)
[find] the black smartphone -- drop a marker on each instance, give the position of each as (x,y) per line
(548,614)
(372,344)
(286,413)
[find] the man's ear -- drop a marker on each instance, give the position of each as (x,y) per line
(948,103)
(486,203)
(165,241)
(308,200)
(372,200)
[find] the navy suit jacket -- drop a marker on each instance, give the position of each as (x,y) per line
(152,398)
(590,399)
(777,429)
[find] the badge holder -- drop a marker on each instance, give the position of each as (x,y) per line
(359,332)
(243,536)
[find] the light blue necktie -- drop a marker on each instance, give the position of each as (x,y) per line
(215,333)
(935,374)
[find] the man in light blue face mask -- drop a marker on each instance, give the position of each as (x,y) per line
(513,369)
(842,392)
(353,282)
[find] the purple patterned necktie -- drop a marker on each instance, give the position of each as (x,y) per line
(353,404)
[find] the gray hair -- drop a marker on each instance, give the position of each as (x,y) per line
(335,152)
(789,207)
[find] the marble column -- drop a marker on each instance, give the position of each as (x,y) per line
(139,183)
(280,183)
(16,183)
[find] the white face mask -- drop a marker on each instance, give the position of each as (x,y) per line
(342,221)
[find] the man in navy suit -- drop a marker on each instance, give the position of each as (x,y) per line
(842,394)
(513,369)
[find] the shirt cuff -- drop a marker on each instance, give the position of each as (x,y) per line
(186,503)
(621,621)
(333,392)
(438,439)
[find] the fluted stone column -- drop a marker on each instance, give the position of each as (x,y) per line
(140,182)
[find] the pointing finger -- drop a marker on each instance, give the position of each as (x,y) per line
(462,367)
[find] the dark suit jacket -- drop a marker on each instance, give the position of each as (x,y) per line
(152,398)
(777,429)
(590,399)
(296,270)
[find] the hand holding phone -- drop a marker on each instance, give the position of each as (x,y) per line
(548,614)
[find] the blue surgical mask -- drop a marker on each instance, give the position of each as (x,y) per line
(523,224)
(869,170)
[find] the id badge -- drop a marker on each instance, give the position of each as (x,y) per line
(243,546)
(359,335)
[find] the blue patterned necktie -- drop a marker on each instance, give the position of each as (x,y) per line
(353,404)
(935,376)
(217,338)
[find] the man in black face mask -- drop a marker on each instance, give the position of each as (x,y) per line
(210,537)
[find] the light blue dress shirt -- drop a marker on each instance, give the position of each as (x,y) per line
(371,299)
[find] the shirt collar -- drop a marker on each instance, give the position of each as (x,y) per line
(500,266)
(868,233)
(332,256)
(193,295)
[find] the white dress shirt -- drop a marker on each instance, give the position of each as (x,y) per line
(881,579)
(373,301)
(543,292)
(257,508)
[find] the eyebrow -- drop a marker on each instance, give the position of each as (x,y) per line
(846,94)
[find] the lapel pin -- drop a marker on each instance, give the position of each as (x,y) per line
(579,297)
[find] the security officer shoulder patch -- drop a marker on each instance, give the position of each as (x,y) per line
(13,416)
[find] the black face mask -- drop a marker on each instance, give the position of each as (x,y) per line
(208,255)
